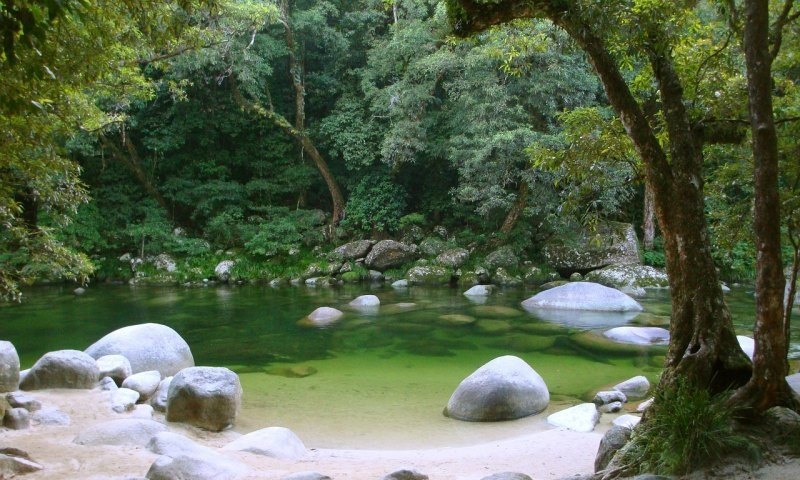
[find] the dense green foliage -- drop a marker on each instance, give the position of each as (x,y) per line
(198,137)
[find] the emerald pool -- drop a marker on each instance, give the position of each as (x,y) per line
(375,379)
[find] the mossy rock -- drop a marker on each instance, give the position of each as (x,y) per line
(553,284)
(634,276)
(651,320)
(542,328)
(536,276)
(351,277)
(595,342)
(524,343)
(497,311)
(493,327)
(468,278)
(457,319)
(428,275)
(294,371)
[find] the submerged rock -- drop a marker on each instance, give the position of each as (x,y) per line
(582,296)
(17,419)
(503,389)
(405,475)
(14,461)
(639,335)
(508,476)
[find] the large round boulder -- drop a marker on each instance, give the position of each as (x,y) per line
(206,397)
(148,346)
(9,367)
(582,296)
(390,253)
(503,389)
(453,258)
(62,369)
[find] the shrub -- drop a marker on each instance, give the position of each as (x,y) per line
(688,429)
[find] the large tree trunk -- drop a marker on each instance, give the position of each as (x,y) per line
(767,387)
(516,210)
(649,218)
(703,347)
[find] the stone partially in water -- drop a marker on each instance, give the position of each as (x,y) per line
(639,335)
(321,317)
(493,327)
(596,343)
(582,296)
(479,291)
(148,346)
(496,311)
(365,301)
(503,389)
(584,318)
(457,319)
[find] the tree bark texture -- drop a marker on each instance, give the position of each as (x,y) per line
(649,219)
(703,347)
(767,386)
(516,210)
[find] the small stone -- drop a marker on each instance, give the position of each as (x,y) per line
(79,291)
(400,284)
(118,367)
(145,383)
(124,400)
(609,396)
(23,400)
(580,418)
(143,411)
(17,419)
(108,383)
(612,407)
(634,388)
(159,399)
(9,367)
(645,405)
(365,301)
(50,416)
(627,420)
(405,475)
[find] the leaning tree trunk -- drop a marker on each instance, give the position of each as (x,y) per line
(516,210)
(703,347)
(767,387)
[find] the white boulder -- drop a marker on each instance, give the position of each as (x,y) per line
(582,296)
(62,369)
(365,301)
(148,346)
(322,317)
(276,442)
(145,383)
(503,389)
(639,335)
(580,418)
(479,291)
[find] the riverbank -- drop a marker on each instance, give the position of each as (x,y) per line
(550,453)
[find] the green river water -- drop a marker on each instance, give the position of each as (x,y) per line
(380,378)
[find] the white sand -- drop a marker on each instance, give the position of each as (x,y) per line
(544,454)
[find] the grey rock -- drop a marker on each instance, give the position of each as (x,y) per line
(50,416)
(576,277)
(353,250)
(127,431)
(479,291)
(508,476)
(611,407)
(183,459)
(389,253)
(502,257)
(582,296)
(503,389)
(306,476)
(14,461)
(62,369)
(206,397)
(482,275)
(23,400)
(645,405)
(367,301)
(115,366)
(400,284)
(432,246)
(453,257)
(223,270)
(159,399)
(441,231)
(580,418)
(634,388)
(502,277)
(784,421)
(611,244)
(17,419)
(164,262)
(79,291)
(428,275)
(275,442)
(148,346)
(627,420)
(145,383)
(536,276)
(9,367)
(609,396)
(124,400)
(108,384)
(143,411)
(631,276)
(375,276)
(639,335)
(322,316)
(614,439)
(405,475)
